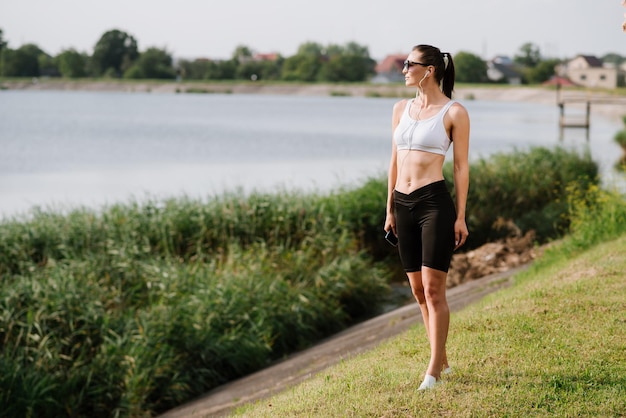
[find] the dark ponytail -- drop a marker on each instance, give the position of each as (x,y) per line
(444,66)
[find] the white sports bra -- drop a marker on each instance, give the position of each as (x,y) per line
(423,135)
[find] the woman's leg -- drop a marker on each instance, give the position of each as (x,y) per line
(434,285)
(417,287)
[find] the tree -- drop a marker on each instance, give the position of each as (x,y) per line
(301,68)
(346,68)
(333,63)
(242,53)
(3,43)
(114,53)
(305,65)
(613,58)
(223,70)
(196,69)
(351,62)
(311,49)
(193,70)
(270,70)
(48,65)
(542,71)
(72,64)
(259,70)
(354,49)
(470,68)
(21,62)
(529,55)
(204,69)
(153,63)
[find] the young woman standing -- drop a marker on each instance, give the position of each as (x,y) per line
(420,211)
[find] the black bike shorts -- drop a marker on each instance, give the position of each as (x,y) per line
(425,227)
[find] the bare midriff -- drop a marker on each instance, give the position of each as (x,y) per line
(417,169)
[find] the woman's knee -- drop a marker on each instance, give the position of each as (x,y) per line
(434,289)
(417,288)
(419,296)
(434,296)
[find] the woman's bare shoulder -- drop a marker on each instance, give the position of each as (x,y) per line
(400,105)
(458,110)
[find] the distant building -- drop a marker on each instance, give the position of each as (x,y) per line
(389,70)
(504,60)
(589,71)
(556,80)
(502,70)
(272,56)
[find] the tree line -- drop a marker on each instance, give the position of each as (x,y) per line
(117,55)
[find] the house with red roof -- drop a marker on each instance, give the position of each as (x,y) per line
(556,80)
(272,56)
(389,70)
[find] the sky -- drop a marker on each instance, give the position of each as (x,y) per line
(213,29)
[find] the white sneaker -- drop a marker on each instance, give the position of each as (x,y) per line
(447,370)
(428,383)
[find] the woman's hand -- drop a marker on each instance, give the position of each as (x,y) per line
(460,233)
(390,223)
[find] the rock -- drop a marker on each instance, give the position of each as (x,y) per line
(493,257)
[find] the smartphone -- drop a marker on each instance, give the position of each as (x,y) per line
(391,238)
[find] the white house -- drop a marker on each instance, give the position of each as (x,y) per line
(589,71)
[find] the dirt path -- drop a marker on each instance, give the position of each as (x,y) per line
(355,340)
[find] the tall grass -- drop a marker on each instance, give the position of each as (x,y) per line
(596,215)
(142,307)
(139,307)
(187,229)
(620,139)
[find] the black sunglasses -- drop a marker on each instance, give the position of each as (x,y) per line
(408,64)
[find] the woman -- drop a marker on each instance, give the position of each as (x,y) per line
(420,210)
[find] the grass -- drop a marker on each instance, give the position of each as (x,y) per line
(552,345)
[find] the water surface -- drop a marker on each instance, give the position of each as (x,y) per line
(66,149)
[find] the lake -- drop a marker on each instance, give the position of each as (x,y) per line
(63,149)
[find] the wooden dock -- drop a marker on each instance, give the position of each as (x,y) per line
(574,121)
(582,120)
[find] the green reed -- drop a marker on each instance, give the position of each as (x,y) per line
(620,139)
(141,306)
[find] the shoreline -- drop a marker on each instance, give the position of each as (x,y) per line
(610,105)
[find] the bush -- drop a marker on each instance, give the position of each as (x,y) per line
(530,188)
(596,215)
(620,138)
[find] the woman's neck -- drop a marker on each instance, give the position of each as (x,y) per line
(429,96)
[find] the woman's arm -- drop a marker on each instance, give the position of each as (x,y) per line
(392,174)
(460,134)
